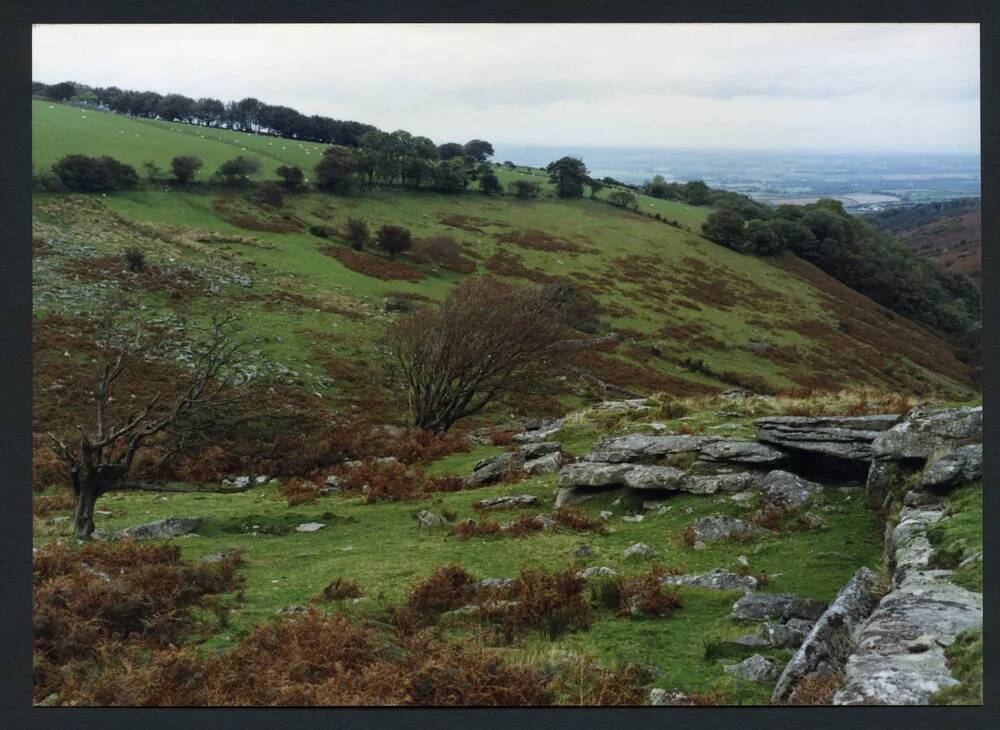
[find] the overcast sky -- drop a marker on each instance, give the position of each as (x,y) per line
(842,87)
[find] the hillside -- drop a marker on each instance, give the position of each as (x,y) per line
(950,233)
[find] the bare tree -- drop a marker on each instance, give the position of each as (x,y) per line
(100,459)
(486,339)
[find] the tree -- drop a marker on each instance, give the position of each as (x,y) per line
(238,170)
(176,107)
(153,171)
(624,199)
(761,238)
(489,183)
(62,91)
(337,170)
(726,227)
(100,459)
(595,186)
(291,176)
(696,192)
(486,339)
(185,167)
(478,149)
(209,112)
(524,189)
(357,233)
(94,174)
(451,176)
(569,175)
(449,150)
(393,239)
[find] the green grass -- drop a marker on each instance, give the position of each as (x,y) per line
(965,659)
(959,535)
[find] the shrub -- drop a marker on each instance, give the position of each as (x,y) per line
(93,174)
(270,193)
(489,183)
(185,167)
(524,189)
(551,602)
(442,251)
(238,170)
(340,589)
(320,231)
(446,588)
(291,176)
(393,239)
(644,595)
(575,519)
(298,491)
(357,233)
(135,260)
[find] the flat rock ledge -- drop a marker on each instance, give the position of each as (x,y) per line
(776,607)
(161,529)
(845,437)
(715,529)
(716,580)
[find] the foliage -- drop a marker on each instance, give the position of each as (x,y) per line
(238,170)
(184,168)
(965,660)
(393,239)
(524,189)
(357,233)
(624,199)
(336,171)
(291,176)
(569,175)
(94,174)
(489,184)
(135,259)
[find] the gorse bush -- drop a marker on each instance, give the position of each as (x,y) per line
(135,260)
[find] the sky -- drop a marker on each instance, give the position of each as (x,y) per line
(837,87)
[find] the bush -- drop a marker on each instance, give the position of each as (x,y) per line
(394,239)
(270,193)
(298,491)
(524,189)
(489,183)
(357,233)
(442,251)
(320,231)
(340,589)
(184,168)
(645,596)
(238,170)
(135,260)
(291,176)
(446,588)
(94,174)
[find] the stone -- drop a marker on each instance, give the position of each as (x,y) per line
(428,520)
(333,481)
(925,432)
(659,697)
(621,407)
(633,518)
(219,556)
(845,437)
(654,477)
(540,432)
(310,527)
(161,529)
(494,468)
(742,497)
(906,544)
(593,474)
(639,550)
(539,448)
(716,580)
(831,641)
(714,529)
(654,504)
(787,490)
(582,551)
(573,495)
(743,561)
(638,447)
(507,502)
(262,479)
(788,635)
(776,606)
(596,570)
(237,482)
(699,545)
(548,464)
(495,582)
(741,452)
(756,668)
(293,608)
(728,483)
(605,515)
(964,464)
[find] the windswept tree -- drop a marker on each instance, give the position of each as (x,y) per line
(569,175)
(595,186)
(337,171)
(238,170)
(184,168)
(624,199)
(102,457)
(487,339)
(478,149)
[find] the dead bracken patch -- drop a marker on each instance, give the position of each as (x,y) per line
(371,265)
(542,241)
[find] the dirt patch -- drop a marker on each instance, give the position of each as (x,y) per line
(258,220)
(371,265)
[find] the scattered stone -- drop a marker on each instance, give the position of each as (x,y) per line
(742,561)
(495,468)
(657,504)
(605,515)
(334,481)
(741,452)
(654,477)
(540,432)
(699,545)
(714,529)
(742,497)
(964,464)
(495,582)
(597,570)
(621,407)
(776,606)
(633,518)
(593,474)
(640,550)
(712,483)
(545,521)
(787,490)
(238,482)
(219,556)
(788,635)
(755,669)
(548,464)
(309,527)
(668,697)
(925,432)
(290,609)
(428,520)
(846,437)
(507,502)
(812,521)
(161,529)
(582,551)
(830,642)
(716,580)
(539,448)
(262,479)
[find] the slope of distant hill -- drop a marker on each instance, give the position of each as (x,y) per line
(950,233)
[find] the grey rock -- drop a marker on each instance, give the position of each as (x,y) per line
(541,431)
(716,580)
(621,407)
(776,606)
(789,635)
(925,432)
(651,504)
(964,464)
(291,609)
(161,529)
(605,515)
(846,437)
(495,468)
(654,477)
(574,495)
(310,527)
(507,502)
(597,570)
(784,489)
(548,464)
(545,521)
(755,669)
(639,550)
(638,447)
(741,452)
(728,483)
(918,498)
(496,582)
(539,448)
(831,641)
(633,518)
(582,551)
(714,529)
(428,520)
(907,547)
(659,697)
(333,481)
(219,556)
(593,474)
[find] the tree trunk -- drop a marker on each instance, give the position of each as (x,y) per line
(83,517)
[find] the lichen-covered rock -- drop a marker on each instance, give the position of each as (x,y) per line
(573,495)
(788,635)
(539,448)
(784,489)
(741,452)
(755,669)
(845,437)
(716,580)
(548,464)
(827,647)
(728,483)
(428,520)
(495,468)
(507,502)
(639,550)
(597,570)
(963,465)
(593,474)
(654,477)
(714,529)
(776,607)
(906,545)
(668,697)
(638,447)
(539,431)
(161,529)
(925,432)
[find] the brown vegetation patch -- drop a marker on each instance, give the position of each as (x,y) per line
(542,241)
(643,595)
(258,220)
(504,263)
(471,223)
(624,374)
(175,282)
(372,265)
(442,251)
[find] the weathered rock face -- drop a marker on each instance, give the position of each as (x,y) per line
(539,431)
(639,550)
(597,570)
(593,474)
(574,495)
(539,448)
(548,464)
(714,529)
(788,635)
(161,529)
(716,580)
(846,437)
(743,481)
(784,489)
(429,520)
(495,468)
(621,407)
(639,447)
(925,432)
(507,502)
(741,452)
(825,650)
(756,669)
(906,545)
(776,607)
(964,464)
(654,477)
